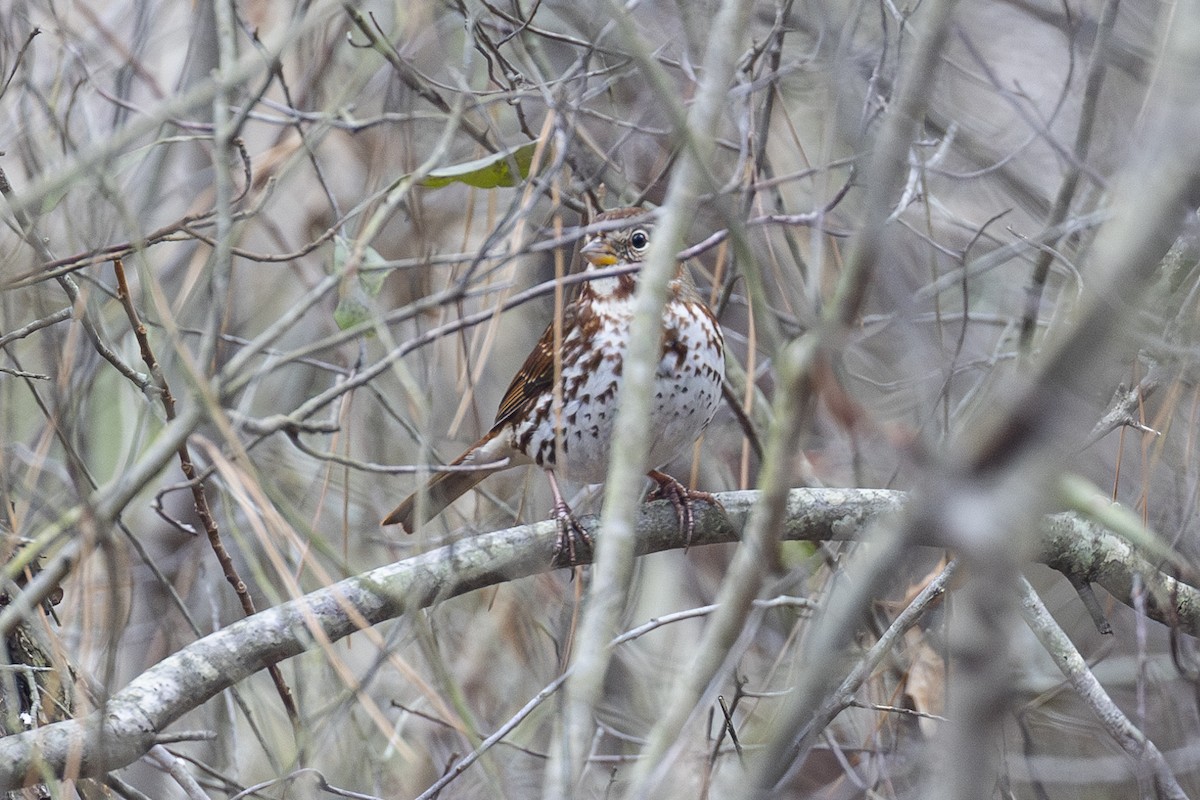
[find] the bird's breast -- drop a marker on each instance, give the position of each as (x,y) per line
(575,437)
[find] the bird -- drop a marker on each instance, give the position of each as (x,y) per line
(571,438)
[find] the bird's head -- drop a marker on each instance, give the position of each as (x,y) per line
(617,244)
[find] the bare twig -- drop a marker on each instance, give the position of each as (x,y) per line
(199,495)
(1087,687)
(1066,191)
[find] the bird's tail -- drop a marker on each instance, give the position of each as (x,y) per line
(446,487)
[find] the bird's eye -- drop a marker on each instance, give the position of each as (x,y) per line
(639,239)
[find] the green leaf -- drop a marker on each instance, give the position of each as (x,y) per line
(51,200)
(341,253)
(372,269)
(352,308)
(488,172)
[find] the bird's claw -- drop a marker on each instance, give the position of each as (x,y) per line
(681,498)
(570,534)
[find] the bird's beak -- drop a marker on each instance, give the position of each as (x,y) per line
(599,253)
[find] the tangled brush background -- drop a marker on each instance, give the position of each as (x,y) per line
(976,218)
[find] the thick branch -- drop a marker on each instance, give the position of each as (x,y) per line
(137,714)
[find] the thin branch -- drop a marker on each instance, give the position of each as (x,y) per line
(199,495)
(70,288)
(1075,669)
(45,322)
(1066,191)
(755,556)
(843,697)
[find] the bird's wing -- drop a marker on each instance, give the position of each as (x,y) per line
(536,375)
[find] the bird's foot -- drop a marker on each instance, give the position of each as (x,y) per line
(681,498)
(570,532)
(571,536)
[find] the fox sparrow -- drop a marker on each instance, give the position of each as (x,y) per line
(574,440)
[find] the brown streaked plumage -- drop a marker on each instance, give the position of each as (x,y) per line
(574,440)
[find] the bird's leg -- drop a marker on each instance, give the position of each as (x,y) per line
(569,528)
(681,497)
